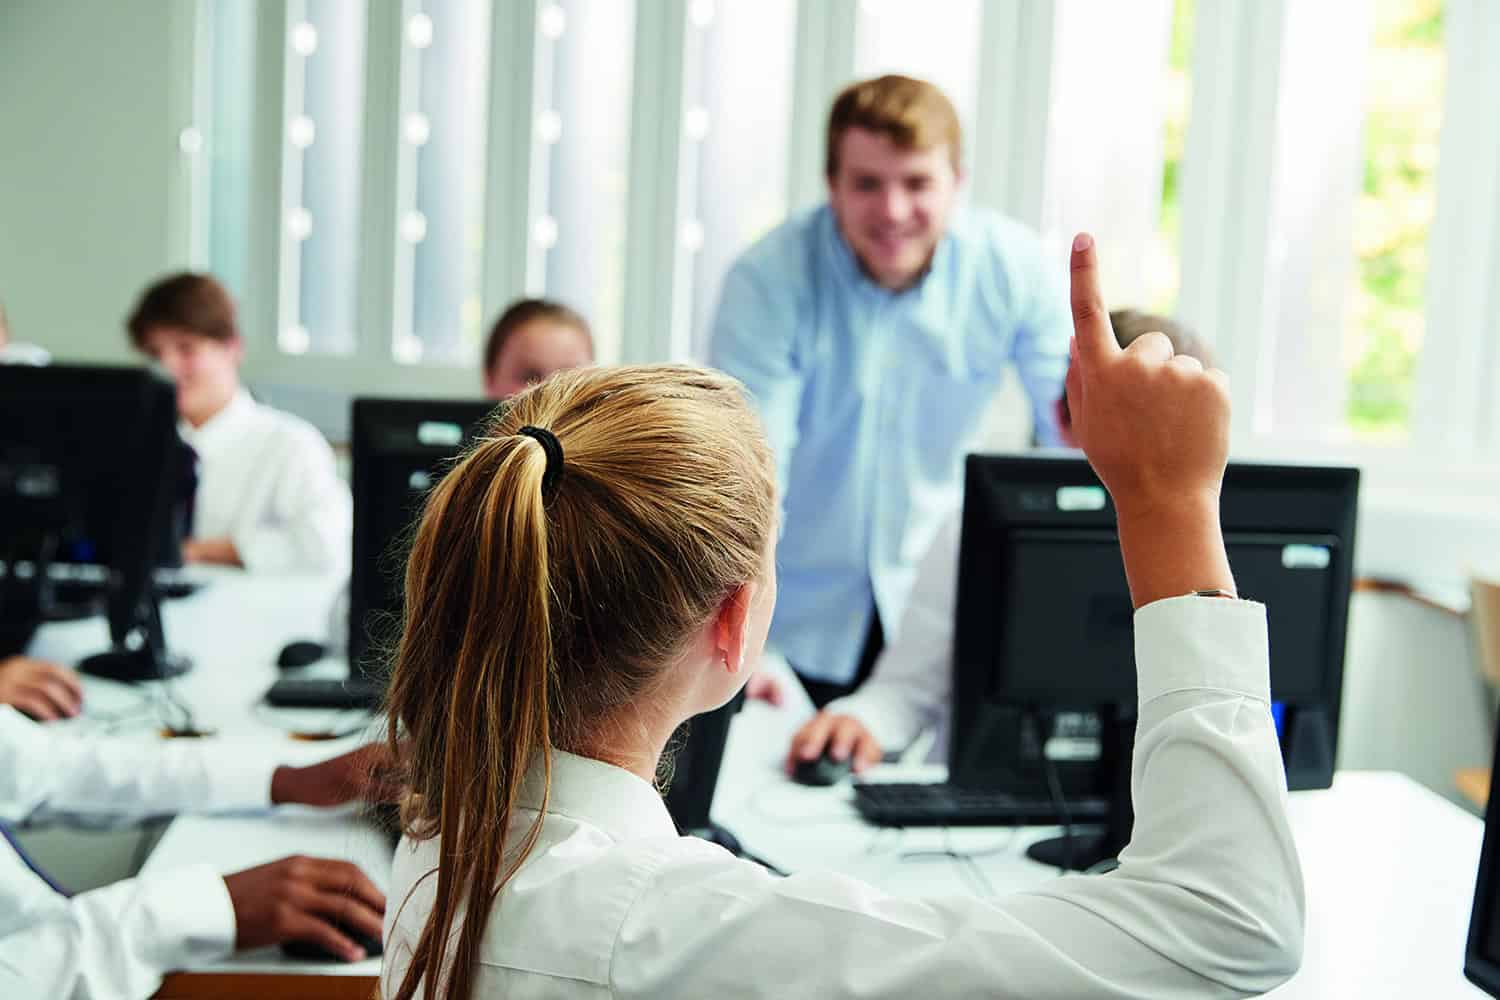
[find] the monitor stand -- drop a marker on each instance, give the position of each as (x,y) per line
(139,652)
(1091,845)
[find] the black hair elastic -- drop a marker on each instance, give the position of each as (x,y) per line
(554,449)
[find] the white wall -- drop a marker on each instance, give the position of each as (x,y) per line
(1413,699)
(88,147)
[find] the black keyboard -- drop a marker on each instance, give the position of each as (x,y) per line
(904,804)
(325,692)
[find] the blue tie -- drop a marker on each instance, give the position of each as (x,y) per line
(10,839)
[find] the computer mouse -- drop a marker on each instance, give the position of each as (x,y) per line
(307,951)
(300,653)
(824,770)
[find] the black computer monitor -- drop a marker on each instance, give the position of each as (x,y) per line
(1044,621)
(400,449)
(1482,955)
(91,468)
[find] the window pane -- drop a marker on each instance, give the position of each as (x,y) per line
(1093,105)
(741,124)
(585,55)
(320,175)
(937,41)
(445,50)
(1384,325)
(229,128)
(1163,260)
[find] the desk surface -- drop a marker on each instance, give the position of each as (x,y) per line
(1389,866)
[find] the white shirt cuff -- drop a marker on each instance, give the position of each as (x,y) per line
(1192,643)
(241,776)
(195,922)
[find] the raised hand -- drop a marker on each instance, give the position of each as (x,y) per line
(1155,428)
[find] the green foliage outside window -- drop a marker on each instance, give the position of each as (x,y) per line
(1385,323)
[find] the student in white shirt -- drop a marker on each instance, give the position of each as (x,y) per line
(910,685)
(532,339)
(624,520)
(119,940)
(269,497)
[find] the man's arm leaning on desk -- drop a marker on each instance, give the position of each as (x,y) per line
(1039,348)
(754,337)
(912,682)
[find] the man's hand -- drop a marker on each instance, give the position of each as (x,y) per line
(218,551)
(763,686)
(367,774)
(44,691)
(1155,427)
(842,736)
(305,899)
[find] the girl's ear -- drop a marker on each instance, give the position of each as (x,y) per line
(730,635)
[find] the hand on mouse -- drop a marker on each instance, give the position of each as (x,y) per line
(368,774)
(763,686)
(44,691)
(301,899)
(843,736)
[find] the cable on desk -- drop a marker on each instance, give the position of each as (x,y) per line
(348,722)
(1004,847)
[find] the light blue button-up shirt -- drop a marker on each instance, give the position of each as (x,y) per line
(871,398)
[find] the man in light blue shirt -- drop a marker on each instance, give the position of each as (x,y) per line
(873,332)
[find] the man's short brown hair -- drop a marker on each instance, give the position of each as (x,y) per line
(523,311)
(912,113)
(187,301)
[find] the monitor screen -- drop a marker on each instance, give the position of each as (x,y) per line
(1069,638)
(91,467)
(1045,619)
(401,448)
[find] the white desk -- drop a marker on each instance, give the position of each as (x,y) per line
(233,629)
(1389,866)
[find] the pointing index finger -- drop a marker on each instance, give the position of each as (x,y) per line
(1096,340)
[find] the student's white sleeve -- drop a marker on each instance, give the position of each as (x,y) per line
(309,524)
(113,943)
(47,772)
(911,684)
(1207,901)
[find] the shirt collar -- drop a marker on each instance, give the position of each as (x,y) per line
(220,429)
(620,803)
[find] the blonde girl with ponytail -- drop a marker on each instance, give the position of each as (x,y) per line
(598,568)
